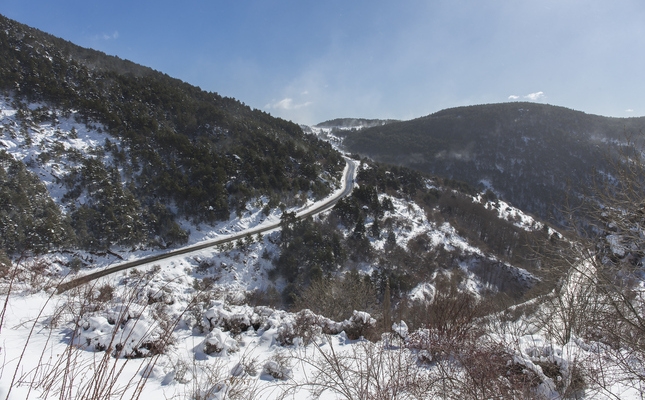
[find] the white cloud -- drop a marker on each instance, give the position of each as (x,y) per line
(629,110)
(114,35)
(287,104)
(513,97)
(535,96)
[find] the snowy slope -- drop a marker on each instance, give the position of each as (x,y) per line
(184,328)
(222,348)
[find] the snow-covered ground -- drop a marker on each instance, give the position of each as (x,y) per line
(183,327)
(63,133)
(221,348)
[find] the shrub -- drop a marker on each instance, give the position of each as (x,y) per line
(279,366)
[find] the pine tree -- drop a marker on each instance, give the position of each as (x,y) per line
(376,230)
(387,307)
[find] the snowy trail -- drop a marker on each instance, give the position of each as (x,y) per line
(316,208)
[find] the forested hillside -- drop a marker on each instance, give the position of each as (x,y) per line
(408,229)
(530,154)
(414,285)
(169,149)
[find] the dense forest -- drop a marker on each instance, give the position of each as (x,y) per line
(176,150)
(536,156)
(312,251)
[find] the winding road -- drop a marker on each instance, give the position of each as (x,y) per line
(348,182)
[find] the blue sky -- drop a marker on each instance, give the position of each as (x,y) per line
(309,61)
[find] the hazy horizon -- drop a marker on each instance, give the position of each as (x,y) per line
(319,61)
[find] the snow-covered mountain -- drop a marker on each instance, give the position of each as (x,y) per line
(205,325)
(534,156)
(412,286)
(168,151)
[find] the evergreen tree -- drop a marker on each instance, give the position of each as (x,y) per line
(387,307)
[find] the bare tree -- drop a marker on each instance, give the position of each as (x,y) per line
(364,371)
(599,267)
(338,297)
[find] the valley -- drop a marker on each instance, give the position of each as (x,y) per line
(265,226)
(159,240)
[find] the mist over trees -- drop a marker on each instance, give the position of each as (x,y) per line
(532,155)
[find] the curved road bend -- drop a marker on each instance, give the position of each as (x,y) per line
(349,184)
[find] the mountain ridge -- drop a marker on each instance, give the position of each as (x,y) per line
(525,152)
(172,150)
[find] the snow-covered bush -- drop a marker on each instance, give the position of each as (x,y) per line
(124,330)
(234,319)
(219,342)
(279,367)
(401,329)
(358,325)
(567,367)
(304,325)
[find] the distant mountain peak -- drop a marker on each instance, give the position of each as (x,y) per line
(526,151)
